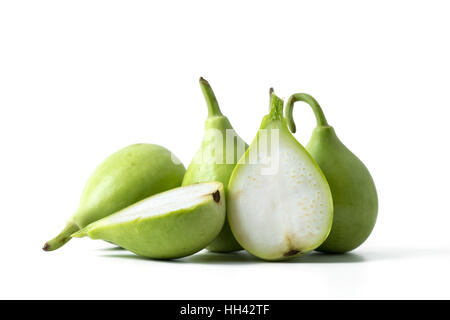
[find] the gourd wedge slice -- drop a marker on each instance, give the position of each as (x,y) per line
(168,225)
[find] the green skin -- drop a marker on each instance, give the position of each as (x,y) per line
(208,169)
(354,194)
(275,120)
(127,176)
(170,235)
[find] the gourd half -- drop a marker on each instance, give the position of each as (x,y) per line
(279,202)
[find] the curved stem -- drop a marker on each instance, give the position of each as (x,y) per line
(62,238)
(210,97)
(320,117)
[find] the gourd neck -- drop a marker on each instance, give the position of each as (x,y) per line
(210,97)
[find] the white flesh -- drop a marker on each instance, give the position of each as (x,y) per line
(272,216)
(166,202)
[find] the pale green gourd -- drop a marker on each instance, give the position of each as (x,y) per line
(216,159)
(127,176)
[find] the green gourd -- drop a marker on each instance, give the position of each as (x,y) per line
(169,225)
(220,150)
(127,176)
(279,202)
(354,194)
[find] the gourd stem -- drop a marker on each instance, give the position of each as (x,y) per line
(276,105)
(320,117)
(62,238)
(270,97)
(210,97)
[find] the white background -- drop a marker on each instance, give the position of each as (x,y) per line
(82,79)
